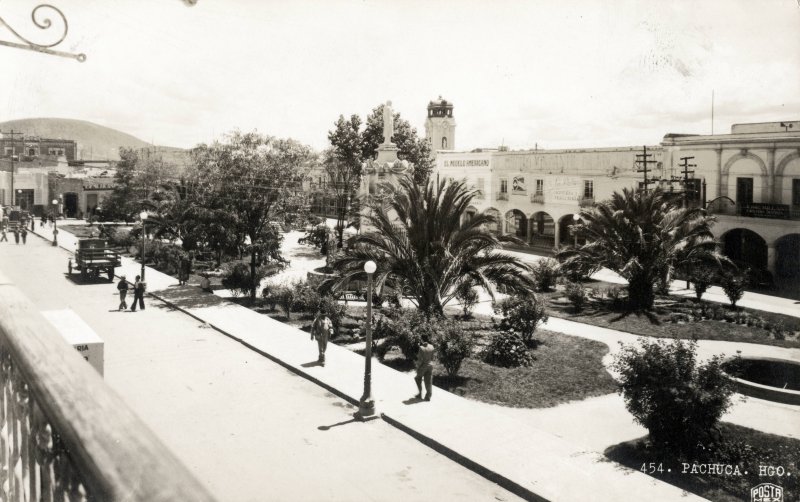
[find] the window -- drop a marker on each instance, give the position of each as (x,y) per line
(588,189)
(693,190)
(9,150)
(444,143)
(796,192)
(539,187)
(503,185)
(744,191)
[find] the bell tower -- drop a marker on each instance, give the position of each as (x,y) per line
(440,126)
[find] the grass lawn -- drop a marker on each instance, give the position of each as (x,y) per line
(657,323)
(567,368)
(767,450)
(81,231)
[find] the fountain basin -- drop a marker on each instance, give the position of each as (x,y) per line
(767,378)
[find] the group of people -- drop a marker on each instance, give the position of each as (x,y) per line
(322,330)
(46,219)
(20,232)
(139,288)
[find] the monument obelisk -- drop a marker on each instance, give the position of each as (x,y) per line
(387,151)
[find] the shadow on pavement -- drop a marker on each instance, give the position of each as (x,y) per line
(186,297)
(413,400)
(76,279)
(311,364)
(355,419)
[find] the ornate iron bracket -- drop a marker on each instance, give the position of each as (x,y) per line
(42,22)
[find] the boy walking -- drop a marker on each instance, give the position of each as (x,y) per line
(321,330)
(424,367)
(138,293)
(122,287)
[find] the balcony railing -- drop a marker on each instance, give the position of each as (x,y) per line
(537,198)
(502,196)
(586,202)
(67,436)
(755,210)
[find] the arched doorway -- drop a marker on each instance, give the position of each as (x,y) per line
(787,256)
(71,204)
(469,214)
(566,235)
(543,230)
(517,224)
(745,247)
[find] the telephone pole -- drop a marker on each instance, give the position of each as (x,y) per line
(686,172)
(12,133)
(643,160)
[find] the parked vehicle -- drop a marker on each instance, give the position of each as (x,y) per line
(93,258)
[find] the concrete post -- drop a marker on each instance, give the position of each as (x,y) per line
(771,258)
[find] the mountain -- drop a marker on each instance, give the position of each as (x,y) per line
(95,142)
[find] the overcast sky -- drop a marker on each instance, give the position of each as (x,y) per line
(557,73)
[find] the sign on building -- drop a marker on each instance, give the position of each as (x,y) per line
(78,334)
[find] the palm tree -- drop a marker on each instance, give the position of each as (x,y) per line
(422,248)
(643,236)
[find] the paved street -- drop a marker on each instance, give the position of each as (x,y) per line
(246,427)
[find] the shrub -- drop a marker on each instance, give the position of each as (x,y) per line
(284,296)
(269,296)
(467,296)
(121,239)
(453,346)
(576,294)
(319,237)
(403,328)
(306,297)
(676,317)
(702,277)
(521,314)
(545,274)
(333,309)
(679,401)
(508,350)
(236,278)
(733,285)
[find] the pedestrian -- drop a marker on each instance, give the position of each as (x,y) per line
(184,269)
(205,283)
(321,329)
(41,222)
(16,235)
(3,237)
(139,288)
(122,287)
(24,234)
(424,367)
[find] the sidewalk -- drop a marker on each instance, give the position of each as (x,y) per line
(530,462)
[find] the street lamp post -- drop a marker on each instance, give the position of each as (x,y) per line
(576,218)
(55,225)
(143,216)
(366,407)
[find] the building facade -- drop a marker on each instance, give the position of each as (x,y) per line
(749,179)
(31,147)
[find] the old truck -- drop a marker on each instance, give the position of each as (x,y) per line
(93,258)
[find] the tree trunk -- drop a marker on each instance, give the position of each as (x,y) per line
(640,292)
(253,276)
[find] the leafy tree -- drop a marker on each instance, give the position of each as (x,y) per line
(453,346)
(679,401)
(467,296)
(412,148)
(733,285)
(343,166)
(421,247)
(522,314)
(256,179)
(642,236)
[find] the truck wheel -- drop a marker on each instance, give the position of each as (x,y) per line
(69,267)
(83,274)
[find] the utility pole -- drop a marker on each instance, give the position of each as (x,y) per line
(12,133)
(686,172)
(643,160)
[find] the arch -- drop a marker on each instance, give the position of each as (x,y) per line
(744,155)
(787,256)
(745,247)
(444,142)
(542,230)
(517,223)
(469,213)
(785,162)
(493,227)
(565,224)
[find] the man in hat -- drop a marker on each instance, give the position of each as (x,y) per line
(122,287)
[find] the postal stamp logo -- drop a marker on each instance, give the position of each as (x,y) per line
(766,492)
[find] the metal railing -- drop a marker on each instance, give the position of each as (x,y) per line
(65,434)
(586,202)
(502,196)
(537,198)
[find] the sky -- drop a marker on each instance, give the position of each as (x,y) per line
(549,73)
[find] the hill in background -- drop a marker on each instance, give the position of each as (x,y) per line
(95,142)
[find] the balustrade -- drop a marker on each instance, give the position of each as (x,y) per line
(64,435)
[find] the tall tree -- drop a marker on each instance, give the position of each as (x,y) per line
(422,247)
(255,179)
(342,164)
(643,236)
(412,148)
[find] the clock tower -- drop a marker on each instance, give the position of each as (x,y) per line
(440,126)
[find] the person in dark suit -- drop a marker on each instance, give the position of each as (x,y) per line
(138,293)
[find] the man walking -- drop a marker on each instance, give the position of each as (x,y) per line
(3,237)
(24,234)
(424,367)
(122,287)
(16,235)
(321,329)
(138,293)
